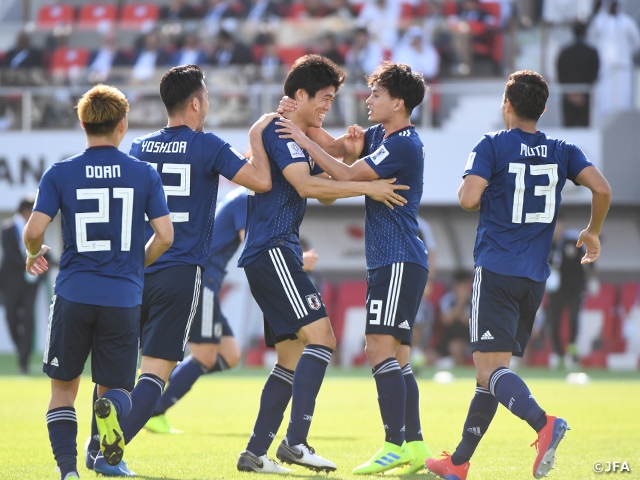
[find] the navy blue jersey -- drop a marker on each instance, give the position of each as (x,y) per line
(103,195)
(391,236)
(230,219)
(189,163)
(518,209)
(274,218)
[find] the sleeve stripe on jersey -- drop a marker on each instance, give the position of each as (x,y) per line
(394,294)
(287,283)
(475,305)
(208,300)
(194,307)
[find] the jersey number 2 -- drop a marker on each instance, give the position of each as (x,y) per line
(548,191)
(102,216)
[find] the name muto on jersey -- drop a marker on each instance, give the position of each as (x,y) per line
(539,151)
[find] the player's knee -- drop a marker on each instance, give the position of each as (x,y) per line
(232,356)
(482,377)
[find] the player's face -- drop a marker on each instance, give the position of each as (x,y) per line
(317,107)
(380,105)
(204,108)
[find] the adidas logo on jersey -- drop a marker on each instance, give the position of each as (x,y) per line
(486,336)
(54,362)
(405,325)
(475,431)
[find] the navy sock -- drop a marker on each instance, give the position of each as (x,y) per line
(307,380)
(180,382)
(513,393)
(220,366)
(275,397)
(145,397)
(412,413)
(63,430)
(121,400)
(481,412)
(392,398)
(94,443)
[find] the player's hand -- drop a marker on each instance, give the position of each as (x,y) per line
(38,265)
(309,260)
(354,141)
(384,191)
(287,105)
(288,129)
(258,127)
(592,244)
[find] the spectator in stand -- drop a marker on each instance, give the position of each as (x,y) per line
(329,48)
(270,62)
(342,9)
(381,18)
(617,38)
(104,59)
(438,31)
(191,52)
(23,55)
(228,51)
(308,9)
(258,11)
(577,63)
(364,56)
(415,50)
(178,10)
(219,11)
(150,56)
(455,308)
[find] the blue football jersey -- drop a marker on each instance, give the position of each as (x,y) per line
(392,235)
(103,195)
(274,218)
(189,164)
(525,173)
(231,217)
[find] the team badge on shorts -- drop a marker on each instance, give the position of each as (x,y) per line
(217,330)
(314,301)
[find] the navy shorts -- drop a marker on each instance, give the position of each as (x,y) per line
(109,333)
(284,292)
(210,325)
(393,297)
(169,305)
(503,309)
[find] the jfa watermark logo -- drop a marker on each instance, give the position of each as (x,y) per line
(611,467)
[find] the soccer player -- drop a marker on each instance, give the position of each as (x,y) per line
(103,196)
(212,344)
(397,261)
(296,320)
(515,178)
(189,162)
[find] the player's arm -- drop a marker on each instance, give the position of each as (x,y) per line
(360,171)
(591,178)
(33,238)
(256,174)
(471,191)
(241,234)
(161,239)
(307,186)
(309,260)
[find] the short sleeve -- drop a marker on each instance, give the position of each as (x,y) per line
(315,169)
(48,199)
(578,161)
(390,156)
(282,151)
(367,141)
(156,201)
(220,157)
(481,161)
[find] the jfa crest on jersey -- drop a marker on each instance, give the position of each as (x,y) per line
(314,301)
(525,173)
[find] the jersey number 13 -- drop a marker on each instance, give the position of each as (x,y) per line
(548,191)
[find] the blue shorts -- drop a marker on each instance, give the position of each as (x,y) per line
(210,325)
(393,297)
(169,305)
(503,309)
(109,333)
(284,292)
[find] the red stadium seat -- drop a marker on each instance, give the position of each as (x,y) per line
(66,58)
(51,16)
(258,52)
(629,294)
(406,11)
(288,55)
(139,15)
(97,16)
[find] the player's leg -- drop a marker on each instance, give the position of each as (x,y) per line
(67,348)
(574,303)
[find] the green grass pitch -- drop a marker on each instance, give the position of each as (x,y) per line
(218,414)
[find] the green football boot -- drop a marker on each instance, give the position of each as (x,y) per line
(111,437)
(160,424)
(420,452)
(390,456)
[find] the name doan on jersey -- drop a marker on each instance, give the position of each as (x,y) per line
(102,171)
(164,147)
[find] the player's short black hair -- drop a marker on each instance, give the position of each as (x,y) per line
(461,275)
(312,73)
(26,204)
(178,85)
(401,82)
(528,92)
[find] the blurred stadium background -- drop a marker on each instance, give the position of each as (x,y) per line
(51,52)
